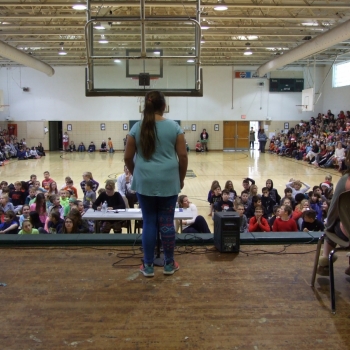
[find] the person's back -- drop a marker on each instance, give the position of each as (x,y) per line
(156,156)
(163,161)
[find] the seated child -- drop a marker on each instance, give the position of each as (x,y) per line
(89,195)
(285,223)
(288,193)
(70,187)
(55,223)
(310,223)
(64,198)
(258,223)
(37,187)
(230,188)
(199,146)
(28,229)
(92,147)
(72,147)
(10,225)
(81,147)
(214,185)
(244,220)
(22,154)
(245,200)
(56,205)
(33,154)
(103,146)
(250,212)
(31,196)
(267,202)
(5,204)
(68,208)
(224,204)
(316,204)
(25,215)
(215,198)
(276,214)
(17,197)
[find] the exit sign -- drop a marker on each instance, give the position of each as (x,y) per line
(243,116)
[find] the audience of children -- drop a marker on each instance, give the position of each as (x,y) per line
(323,142)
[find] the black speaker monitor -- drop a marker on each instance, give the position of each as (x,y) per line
(227,232)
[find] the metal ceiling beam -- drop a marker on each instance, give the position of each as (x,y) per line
(176,4)
(150,32)
(211,17)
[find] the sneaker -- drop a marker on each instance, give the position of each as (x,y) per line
(147,270)
(324,261)
(171,268)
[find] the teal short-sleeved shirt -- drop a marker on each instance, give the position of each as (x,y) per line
(158,176)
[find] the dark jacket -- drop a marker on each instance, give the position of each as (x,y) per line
(116,201)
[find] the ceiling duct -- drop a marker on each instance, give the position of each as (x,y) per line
(18,56)
(321,42)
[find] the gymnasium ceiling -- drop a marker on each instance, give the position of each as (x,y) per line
(268,28)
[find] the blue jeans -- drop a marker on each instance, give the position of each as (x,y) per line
(158,215)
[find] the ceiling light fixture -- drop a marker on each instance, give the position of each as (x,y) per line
(103,40)
(220,6)
(204,25)
(202,40)
(62,52)
(156,52)
(79,7)
(190,61)
(310,24)
(117,61)
(248,51)
(99,26)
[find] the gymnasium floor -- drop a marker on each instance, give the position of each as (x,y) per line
(95,298)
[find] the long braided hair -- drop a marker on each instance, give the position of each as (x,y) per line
(154,103)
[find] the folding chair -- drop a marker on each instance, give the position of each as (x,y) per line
(344,216)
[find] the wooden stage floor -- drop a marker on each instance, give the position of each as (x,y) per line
(76,298)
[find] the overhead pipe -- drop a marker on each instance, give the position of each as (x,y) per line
(321,42)
(13,54)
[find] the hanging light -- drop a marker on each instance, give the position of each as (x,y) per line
(103,40)
(204,25)
(220,6)
(202,40)
(99,26)
(79,7)
(248,52)
(190,60)
(62,52)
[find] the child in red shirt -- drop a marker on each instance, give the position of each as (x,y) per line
(47,180)
(258,223)
(285,223)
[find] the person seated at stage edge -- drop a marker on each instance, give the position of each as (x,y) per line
(195,225)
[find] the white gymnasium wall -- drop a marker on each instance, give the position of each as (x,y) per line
(335,99)
(61,97)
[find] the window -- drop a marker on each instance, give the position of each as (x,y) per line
(341,74)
